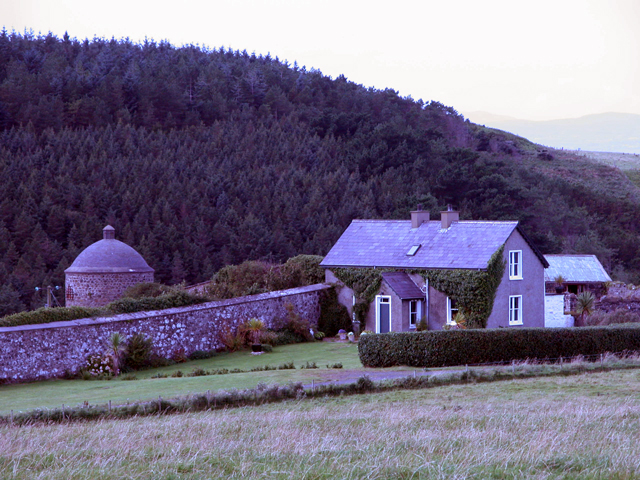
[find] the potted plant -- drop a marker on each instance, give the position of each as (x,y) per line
(254,328)
(343,334)
(559,280)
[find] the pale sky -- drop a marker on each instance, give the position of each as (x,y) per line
(535,60)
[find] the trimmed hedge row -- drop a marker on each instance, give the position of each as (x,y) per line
(49,315)
(468,347)
(123,305)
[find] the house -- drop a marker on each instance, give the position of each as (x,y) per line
(580,273)
(404,250)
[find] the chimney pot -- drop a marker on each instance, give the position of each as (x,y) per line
(448,217)
(419,216)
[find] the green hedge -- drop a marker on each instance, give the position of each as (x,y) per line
(123,305)
(468,347)
(48,315)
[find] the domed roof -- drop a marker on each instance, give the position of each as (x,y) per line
(109,256)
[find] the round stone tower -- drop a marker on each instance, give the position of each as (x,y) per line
(103,271)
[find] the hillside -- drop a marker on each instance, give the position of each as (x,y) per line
(604,132)
(202,158)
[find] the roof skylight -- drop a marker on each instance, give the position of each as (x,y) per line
(413,250)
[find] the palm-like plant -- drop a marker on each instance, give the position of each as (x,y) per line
(116,348)
(584,305)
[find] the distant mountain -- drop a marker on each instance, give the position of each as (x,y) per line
(604,132)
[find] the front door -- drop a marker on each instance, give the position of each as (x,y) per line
(383,314)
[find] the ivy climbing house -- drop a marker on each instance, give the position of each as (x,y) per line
(403,275)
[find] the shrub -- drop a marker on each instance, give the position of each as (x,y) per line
(137,353)
(460,347)
(48,315)
(266,348)
(287,366)
(179,355)
(268,338)
(162,302)
(617,316)
(335,365)
(333,315)
(297,325)
(232,340)
(201,354)
(98,366)
(141,290)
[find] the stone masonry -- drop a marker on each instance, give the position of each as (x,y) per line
(98,289)
(36,352)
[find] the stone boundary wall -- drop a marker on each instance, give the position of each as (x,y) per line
(37,352)
(620,297)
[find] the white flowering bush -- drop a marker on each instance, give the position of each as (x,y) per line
(100,365)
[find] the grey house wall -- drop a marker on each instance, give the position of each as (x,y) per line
(531,287)
(36,352)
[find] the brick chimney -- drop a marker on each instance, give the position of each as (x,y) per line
(419,216)
(108,233)
(449,216)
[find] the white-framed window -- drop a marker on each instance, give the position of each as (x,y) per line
(414,312)
(515,310)
(452,310)
(515,264)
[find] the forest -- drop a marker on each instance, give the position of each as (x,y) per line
(202,158)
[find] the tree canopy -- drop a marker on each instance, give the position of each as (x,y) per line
(202,158)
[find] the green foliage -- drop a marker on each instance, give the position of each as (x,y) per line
(333,315)
(142,290)
(123,305)
(253,171)
(164,301)
(467,347)
(48,315)
(474,291)
(137,352)
(296,325)
(252,277)
(201,354)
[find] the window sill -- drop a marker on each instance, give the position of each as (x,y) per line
(515,324)
(516,278)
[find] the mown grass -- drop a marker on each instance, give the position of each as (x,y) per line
(583,426)
(54,393)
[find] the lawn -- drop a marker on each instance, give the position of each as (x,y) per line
(54,393)
(579,427)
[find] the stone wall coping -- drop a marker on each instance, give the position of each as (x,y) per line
(123,317)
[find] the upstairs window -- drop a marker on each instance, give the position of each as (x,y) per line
(515,264)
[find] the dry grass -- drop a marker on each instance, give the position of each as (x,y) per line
(583,426)
(623,161)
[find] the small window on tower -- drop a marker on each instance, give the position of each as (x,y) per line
(70,294)
(413,250)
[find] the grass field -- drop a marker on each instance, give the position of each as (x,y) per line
(54,393)
(579,427)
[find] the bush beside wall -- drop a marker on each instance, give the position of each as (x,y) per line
(468,347)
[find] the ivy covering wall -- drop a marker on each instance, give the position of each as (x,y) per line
(473,290)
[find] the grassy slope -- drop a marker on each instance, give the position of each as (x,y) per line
(54,393)
(584,427)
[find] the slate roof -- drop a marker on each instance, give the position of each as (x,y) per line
(109,256)
(402,285)
(385,243)
(575,268)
